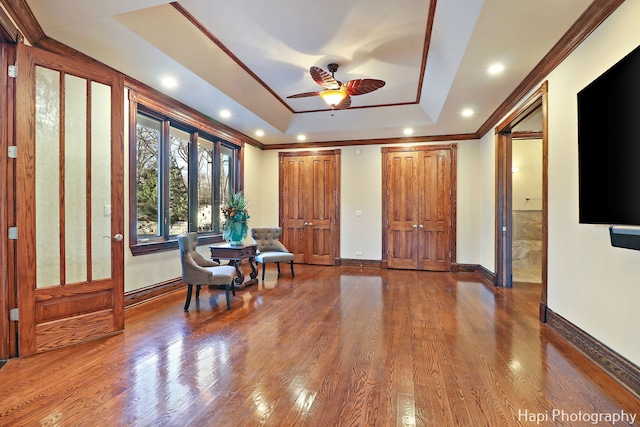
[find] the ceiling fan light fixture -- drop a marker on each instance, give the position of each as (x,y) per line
(333,97)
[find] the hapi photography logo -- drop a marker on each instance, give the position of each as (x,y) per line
(594,418)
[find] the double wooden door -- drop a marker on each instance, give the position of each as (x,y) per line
(418,207)
(309,194)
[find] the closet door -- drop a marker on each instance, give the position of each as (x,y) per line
(309,192)
(293,201)
(435,207)
(321,209)
(418,207)
(402,198)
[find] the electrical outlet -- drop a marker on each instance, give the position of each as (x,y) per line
(358,253)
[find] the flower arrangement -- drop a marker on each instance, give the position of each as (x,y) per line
(235,227)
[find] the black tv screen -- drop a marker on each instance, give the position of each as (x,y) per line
(609,145)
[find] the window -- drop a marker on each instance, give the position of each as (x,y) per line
(182,173)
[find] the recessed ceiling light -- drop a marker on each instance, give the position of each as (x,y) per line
(169,82)
(301,137)
(408,131)
(259,132)
(468,112)
(495,69)
(225,114)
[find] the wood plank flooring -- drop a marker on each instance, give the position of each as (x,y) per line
(334,346)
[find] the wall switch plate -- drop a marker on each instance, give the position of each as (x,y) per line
(358,253)
(358,212)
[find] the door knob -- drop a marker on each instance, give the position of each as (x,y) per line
(421,226)
(118,237)
(414,226)
(310,223)
(306,223)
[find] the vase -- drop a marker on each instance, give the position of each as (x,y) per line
(238,233)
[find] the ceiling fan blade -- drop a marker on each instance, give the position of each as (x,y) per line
(344,104)
(323,78)
(304,95)
(362,86)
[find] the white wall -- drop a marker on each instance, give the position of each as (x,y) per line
(527,181)
(590,283)
(487,195)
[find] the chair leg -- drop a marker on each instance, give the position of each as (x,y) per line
(188,301)
(198,291)
(264,267)
(292,275)
(278,265)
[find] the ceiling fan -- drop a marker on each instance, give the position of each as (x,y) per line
(337,94)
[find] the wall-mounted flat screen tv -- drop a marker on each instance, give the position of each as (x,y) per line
(609,145)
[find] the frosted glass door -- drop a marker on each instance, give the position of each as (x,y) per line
(73,179)
(69,200)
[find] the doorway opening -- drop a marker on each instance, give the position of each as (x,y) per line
(532,113)
(526,179)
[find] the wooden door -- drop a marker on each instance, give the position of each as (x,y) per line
(418,207)
(294,197)
(435,206)
(309,193)
(402,198)
(321,208)
(69,201)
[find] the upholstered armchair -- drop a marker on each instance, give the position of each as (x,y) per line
(270,248)
(198,271)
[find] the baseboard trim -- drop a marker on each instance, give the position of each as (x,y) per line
(464,268)
(618,367)
(347,262)
(139,296)
(487,275)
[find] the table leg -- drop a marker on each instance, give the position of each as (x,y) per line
(254,268)
(239,274)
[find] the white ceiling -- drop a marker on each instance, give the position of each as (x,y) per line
(247,56)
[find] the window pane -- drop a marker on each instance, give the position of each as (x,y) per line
(148,143)
(178,182)
(100,181)
(227,172)
(48,193)
(75,179)
(205,185)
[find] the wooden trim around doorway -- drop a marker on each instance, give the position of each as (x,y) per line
(503,230)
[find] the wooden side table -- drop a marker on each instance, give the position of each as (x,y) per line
(235,255)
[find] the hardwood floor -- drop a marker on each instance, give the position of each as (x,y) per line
(335,346)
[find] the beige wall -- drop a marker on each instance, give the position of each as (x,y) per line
(361,189)
(487,195)
(590,283)
(527,181)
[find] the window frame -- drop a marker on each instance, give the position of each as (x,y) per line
(174,114)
